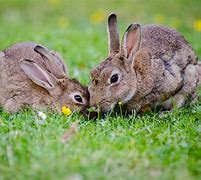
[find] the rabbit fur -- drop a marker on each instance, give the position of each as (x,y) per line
(32,76)
(154,65)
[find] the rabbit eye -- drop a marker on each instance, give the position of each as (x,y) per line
(78,98)
(114,78)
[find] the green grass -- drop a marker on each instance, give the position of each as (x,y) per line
(135,147)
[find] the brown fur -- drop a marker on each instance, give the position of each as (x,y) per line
(17,90)
(198,67)
(153,64)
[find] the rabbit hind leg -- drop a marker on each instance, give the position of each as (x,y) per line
(12,106)
(188,90)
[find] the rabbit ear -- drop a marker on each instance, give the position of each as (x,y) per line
(59,60)
(38,75)
(51,62)
(131,41)
(113,35)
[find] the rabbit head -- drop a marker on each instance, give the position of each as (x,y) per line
(52,78)
(115,79)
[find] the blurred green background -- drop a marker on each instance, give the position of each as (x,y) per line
(146,146)
(77,29)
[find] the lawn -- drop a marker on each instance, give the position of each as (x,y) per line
(134,147)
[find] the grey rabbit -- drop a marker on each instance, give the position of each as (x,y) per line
(154,65)
(32,76)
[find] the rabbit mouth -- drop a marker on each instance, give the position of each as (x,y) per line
(115,110)
(104,109)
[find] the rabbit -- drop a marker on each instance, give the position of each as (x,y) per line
(198,67)
(32,76)
(154,65)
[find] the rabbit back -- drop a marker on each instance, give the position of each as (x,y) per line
(15,87)
(173,67)
(168,45)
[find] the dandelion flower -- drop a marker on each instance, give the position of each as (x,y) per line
(197,25)
(54,2)
(120,103)
(159,18)
(63,22)
(97,17)
(65,110)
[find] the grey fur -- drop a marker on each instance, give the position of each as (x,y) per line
(18,89)
(162,71)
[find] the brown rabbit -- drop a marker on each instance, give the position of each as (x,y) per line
(154,65)
(198,67)
(32,76)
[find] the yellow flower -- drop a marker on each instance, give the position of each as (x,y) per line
(159,18)
(98,16)
(197,25)
(54,2)
(63,22)
(65,110)
(120,103)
